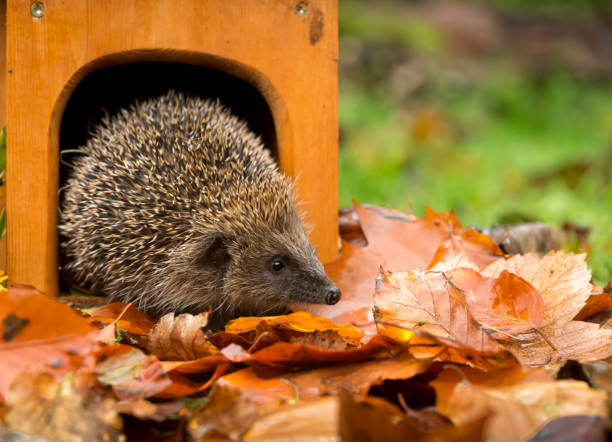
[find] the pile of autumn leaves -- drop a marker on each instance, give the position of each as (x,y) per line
(464,346)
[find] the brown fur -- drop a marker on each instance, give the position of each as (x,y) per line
(176,206)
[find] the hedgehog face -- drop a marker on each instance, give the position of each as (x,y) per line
(268,274)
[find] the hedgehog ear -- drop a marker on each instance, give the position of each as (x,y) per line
(215,254)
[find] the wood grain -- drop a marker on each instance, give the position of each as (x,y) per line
(3,73)
(290,59)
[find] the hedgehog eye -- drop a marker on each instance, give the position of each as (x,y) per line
(277,265)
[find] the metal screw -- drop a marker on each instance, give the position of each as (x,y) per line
(37,9)
(301,9)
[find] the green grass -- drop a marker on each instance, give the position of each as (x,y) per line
(510,144)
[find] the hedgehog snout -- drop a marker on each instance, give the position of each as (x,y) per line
(333,295)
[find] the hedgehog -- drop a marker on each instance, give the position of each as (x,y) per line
(176,206)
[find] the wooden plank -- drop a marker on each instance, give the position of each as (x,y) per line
(3,73)
(290,58)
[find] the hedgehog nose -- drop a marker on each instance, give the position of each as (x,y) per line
(333,296)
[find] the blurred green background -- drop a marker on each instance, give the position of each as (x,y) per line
(500,110)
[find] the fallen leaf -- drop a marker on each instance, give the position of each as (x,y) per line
(131,319)
(428,302)
(228,414)
(599,374)
(563,280)
(393,244)
(474,246)
(39,333)
(207,369)
(55,356)
(518,405)
(573,428)
(132,374)
(39,404)
(22,317)
(374,419)
(594,304)
(284,356)
(350,229)
(181,337)
(356,378)
(302,322)
(305,421)
(505,305)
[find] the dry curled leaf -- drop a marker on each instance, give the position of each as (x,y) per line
(283,357)
(35,338)
(305,421)
(356,378)
(563,280)
(518,405)
(428,302)
(132,374)
(64,410)
(228,414)
(505,305)
(180,338)
(302,322)
(374,419)
(392,243)
(131,319)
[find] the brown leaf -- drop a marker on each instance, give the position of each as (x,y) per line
(428,302)
(393,244)
(595,304)
(207,369)
(356,378)
(228,414)
(350,229)
(302,322)
(505,305)
(476,247)
(374,419)
(21,318)
(573,428)
(131,319)
(599,374)
(132,374)
(180,338)
(66,410)
(283,356)
(519,404)
(305,421)
(563,281)
(40,334)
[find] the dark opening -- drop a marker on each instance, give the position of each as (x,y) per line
(107,90)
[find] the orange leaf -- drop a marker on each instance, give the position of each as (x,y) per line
(180,337)
(519,400)
(132,321)
(474,246)
(39,333)
(283,356)
(300,321)
(394,244)
(428,302)
(132,374)
(28,314)
(505,305)
(563,280)
(595,304)
(356,378)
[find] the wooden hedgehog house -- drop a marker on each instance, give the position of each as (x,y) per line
(274,62)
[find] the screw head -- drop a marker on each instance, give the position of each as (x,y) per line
(37,9)
(301,9)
